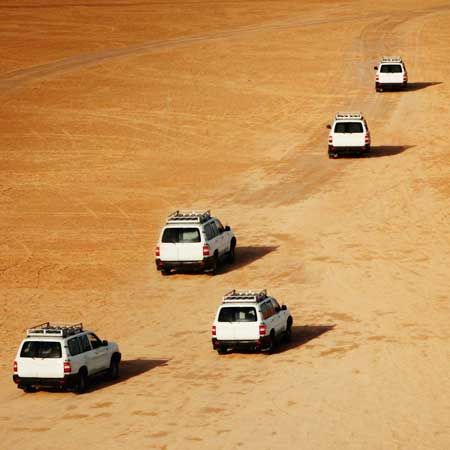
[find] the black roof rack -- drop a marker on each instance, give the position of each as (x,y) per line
(49,329)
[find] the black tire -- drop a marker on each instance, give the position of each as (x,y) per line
(165,272)
(288,332)
(28,389)
(113,371)
(272,344)
(82,382)
(231,253)
(215,267)
(222,351)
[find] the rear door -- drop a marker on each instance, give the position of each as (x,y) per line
(348,134)
(391,73)
(41,359)
(237,323)
(181,244)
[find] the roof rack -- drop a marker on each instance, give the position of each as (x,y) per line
(193,216)
(49,329)
(237,296)
(391,59)
(348,115)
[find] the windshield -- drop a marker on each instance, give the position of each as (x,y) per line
(391,68)
(182,235)
(348,127)
(237,314)
(41,349)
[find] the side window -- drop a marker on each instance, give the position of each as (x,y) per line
(220,227)
(267,310)
(85,345)
(214,229)
(208,232)
(94,340)
(276,306)
(74,346)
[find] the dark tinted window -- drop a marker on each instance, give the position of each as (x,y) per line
(237,314)
(74,346)
(183,235)
(267,310)
(208,232)
(85,345)
(41,349)
(94,340)
(214,229)
(348,127)
(391,68)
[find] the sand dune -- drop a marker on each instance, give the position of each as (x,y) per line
(116,113)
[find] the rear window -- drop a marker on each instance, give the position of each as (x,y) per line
(182,235)
(391,68)
(348,127)
(40,349)
(237,314)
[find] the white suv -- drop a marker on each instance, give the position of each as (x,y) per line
(250,320)
(391,73)
(194,240)
(349,134)
(63,356)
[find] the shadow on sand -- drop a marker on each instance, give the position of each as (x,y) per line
(247,255)
(387,150)
(421,85)
(303,334)
(128,369)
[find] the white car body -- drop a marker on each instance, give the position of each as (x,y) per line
(390,74)
(349,134)
(250,320)
(55,355)
(193,240)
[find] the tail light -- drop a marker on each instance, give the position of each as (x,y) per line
(366,138)
(15,367)
(262,330)
(377,78)
(405,77)
(67,367)
(206,250)
(156,251)
(330,139)
(213,330)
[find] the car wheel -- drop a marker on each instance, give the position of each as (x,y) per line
(222,351)
(288,332)
(28,389)
(272,343)
(215,266)
(113,372)
(231,253)
(165,272)
(81,385)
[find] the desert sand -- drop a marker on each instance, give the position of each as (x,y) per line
(115,113)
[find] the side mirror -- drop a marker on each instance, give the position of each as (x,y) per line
(375,68)
(284,307)
(329,126)
(105,343)
(227,228)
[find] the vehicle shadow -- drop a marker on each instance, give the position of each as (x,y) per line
(128,369)
(421,85)
(303,334)
(387,150)
(247,255)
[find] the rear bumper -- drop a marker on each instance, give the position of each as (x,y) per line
(66,381)
(203,264)
(399,85)
(348,150)
(256,344)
